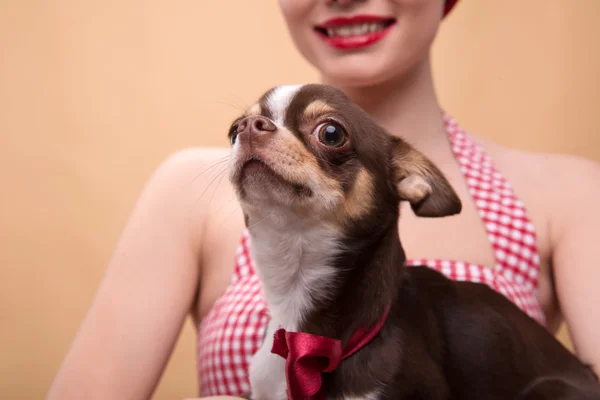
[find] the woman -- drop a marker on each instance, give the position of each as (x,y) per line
(176,255)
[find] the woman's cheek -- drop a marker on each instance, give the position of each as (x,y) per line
(296,11)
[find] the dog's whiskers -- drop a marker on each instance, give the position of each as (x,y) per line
(254,225)
(219,175)
(222,173)
(209,168)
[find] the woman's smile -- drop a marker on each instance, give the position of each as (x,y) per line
(348,33)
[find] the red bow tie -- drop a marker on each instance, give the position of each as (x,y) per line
(308,356)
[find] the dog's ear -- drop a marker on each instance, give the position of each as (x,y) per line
(421,183)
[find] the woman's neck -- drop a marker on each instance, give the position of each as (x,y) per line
(406,107)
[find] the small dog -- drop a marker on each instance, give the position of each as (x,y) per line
(320,184)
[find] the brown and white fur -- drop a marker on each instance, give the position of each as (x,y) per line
(320,184)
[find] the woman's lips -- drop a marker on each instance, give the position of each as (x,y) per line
(354,32)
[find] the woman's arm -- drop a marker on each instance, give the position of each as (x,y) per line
(575,236)
(150,285)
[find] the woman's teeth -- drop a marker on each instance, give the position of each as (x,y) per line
(356,30)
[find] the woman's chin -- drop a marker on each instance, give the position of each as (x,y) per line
(357,77)
(362,70)
(370,71)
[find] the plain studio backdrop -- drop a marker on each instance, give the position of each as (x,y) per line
(94,94)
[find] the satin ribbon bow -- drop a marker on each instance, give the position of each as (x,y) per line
(308,356)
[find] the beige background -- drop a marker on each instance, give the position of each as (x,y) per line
(93,94)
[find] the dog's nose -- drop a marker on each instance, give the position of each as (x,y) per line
(255,125)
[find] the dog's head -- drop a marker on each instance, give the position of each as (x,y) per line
(310,152)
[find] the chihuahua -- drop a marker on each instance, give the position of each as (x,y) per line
(320,184)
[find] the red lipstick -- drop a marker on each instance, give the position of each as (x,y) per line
(354,32)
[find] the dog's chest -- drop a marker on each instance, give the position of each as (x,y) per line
(267,370)
(267,374)
(295,267)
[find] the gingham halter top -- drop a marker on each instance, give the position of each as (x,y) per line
(234,328)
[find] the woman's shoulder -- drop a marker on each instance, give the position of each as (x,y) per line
(190,168)
(190,181)
(550,171)
(185,174)
(188,159)
(561,187)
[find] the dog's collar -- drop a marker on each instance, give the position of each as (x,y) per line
(308,356)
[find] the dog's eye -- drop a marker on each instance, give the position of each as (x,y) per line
(233,133)
(331,134)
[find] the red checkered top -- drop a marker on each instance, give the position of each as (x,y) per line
(234,328)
